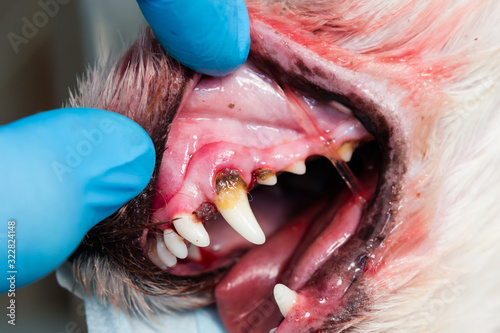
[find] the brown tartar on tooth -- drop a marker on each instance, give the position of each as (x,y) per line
(266,177)
(232,203)
(205,211)
(346,150)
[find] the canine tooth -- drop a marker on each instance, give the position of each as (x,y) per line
(298,168)
(345,151)
(266,177)
(165,256)
(232,203)
(175,244)
(191,230)
(285,298)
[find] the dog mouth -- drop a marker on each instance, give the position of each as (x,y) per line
(231,215)
(234,133)
(298,244)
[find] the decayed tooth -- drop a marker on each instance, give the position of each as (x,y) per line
(175,244)
(266,177)
(165,256)
(346,150)
(192,230)
(285,298)
(298,168)
(232,203)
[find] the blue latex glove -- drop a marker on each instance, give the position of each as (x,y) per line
(105,319)
(61,172)
(209,36)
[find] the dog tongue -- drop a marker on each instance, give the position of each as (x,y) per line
(245,296)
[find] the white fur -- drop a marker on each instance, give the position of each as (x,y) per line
(450,280)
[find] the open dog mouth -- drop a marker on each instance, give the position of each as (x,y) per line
(239,133)
(321,165)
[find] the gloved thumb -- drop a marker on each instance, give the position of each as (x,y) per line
(209,36)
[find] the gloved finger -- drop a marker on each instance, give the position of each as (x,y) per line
(208,36)
(62,172)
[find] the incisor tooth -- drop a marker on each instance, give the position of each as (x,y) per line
(153,256)
(266,177)
(232,203)
(175,244)
(192,230)
(345,151)
(194,253)
(298,168)
(165,256)
(285,298)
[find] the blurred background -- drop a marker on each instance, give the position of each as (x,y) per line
(46,46)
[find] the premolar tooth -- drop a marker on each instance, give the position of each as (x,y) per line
(285,298)
(165,256)
(298,168)
(175,244)
(192,230)
(232,203)
(345,151)
(266,177)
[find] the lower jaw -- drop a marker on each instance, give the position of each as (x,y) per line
(300,256)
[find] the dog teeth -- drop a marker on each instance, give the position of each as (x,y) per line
(298,168)
(266,177)
(285,298)
(345,151)
(153,256)
(194,253)
(192,230)
(175,244)
(232,203)
(165,255)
